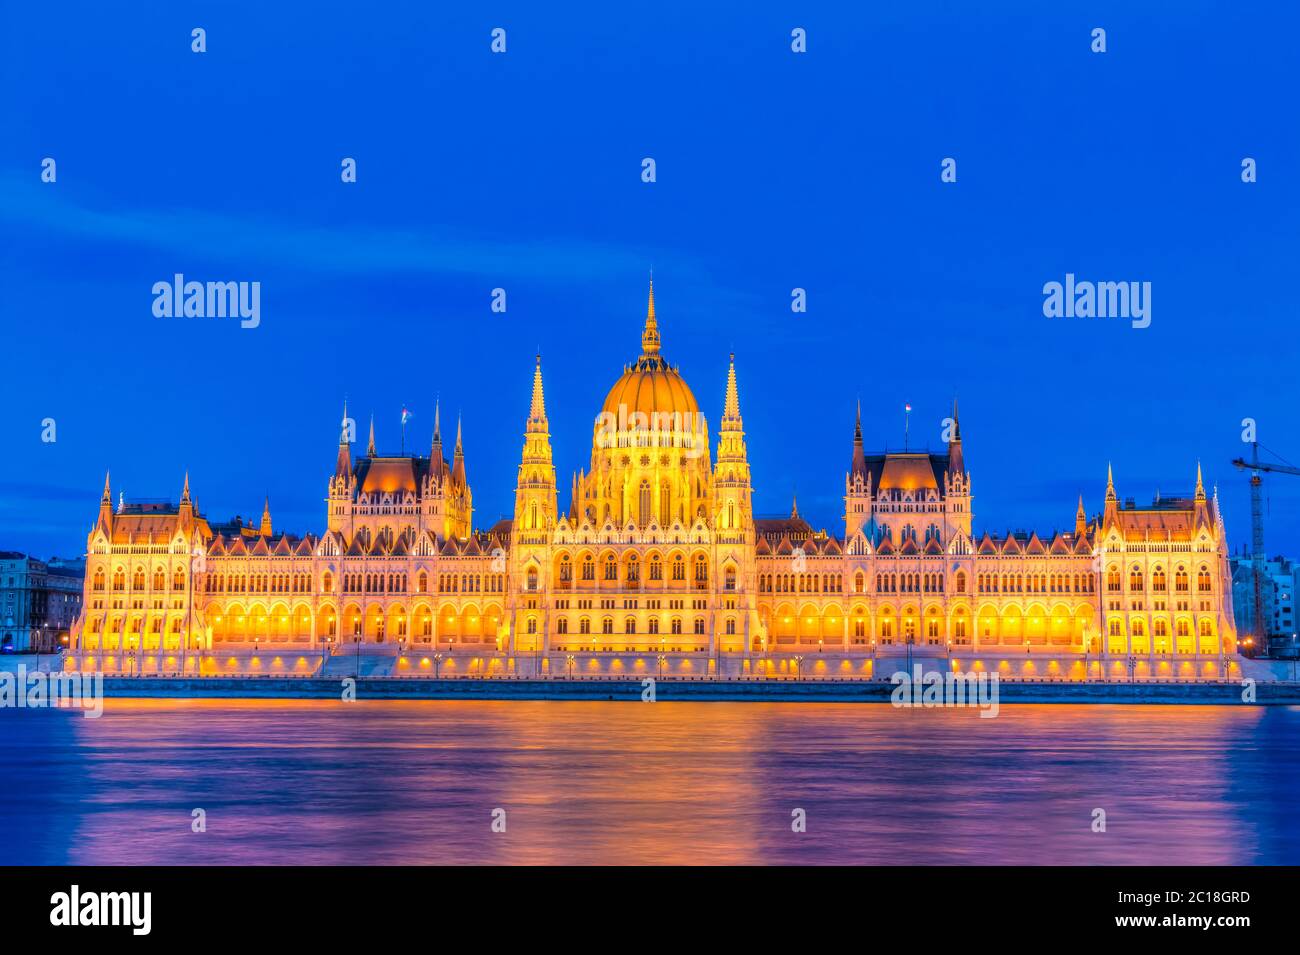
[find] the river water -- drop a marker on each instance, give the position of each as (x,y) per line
(312,782)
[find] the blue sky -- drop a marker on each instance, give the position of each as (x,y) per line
(522,171)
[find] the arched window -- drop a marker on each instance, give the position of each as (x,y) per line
(566,569)
(611,568)
(656,568)
(729,579)
(1135,578)
(1203,580)
(644,513)
(1181,583)
(1158,580)
(532,578)
(607,625)
(584,625)
(588,568)
(1112,579)
(859,582)
(679,568)
(562,626)
(629,625)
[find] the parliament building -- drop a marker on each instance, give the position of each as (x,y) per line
(658,565)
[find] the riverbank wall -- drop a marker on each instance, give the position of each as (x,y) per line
(702,690)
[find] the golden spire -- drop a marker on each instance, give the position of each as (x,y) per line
(537,411)
(1200,487)
(107,497)
(731,408)
(265,529)
(1110,483)
(650,337)
(370,448)
(185,491)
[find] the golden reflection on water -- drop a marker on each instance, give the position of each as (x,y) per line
(284,781)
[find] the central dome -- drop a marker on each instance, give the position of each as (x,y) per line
(651,386)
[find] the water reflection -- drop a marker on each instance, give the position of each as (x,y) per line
(416,782)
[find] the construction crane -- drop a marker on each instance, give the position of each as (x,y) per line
(1257,468)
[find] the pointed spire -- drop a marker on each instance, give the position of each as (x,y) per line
(1080,520)
(343,463)
(537,410)
(107,497)
(1200,486)
(185,491)
(859,465)
(956,461)
(650,337)
(458,458)
(731,420)
(794,507)
(370,446)
(265,528)
(1110,483)
(435,450)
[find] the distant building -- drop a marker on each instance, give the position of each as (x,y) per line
(39,601)
(1281,577)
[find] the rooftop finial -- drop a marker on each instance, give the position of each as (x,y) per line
(370,447)
(650,337)
(537,410)
(731,408)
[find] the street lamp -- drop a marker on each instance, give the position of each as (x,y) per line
(437,664)
(798,665)
(570,662)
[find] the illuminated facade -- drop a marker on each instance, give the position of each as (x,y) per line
(660,561)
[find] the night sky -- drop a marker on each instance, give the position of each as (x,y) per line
(522,171)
